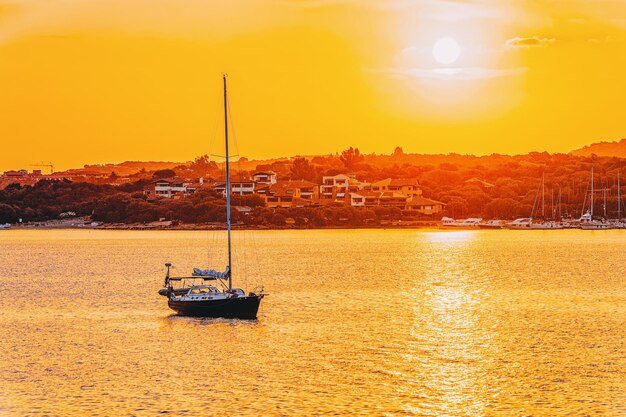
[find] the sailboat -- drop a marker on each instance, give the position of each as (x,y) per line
(195,296)
(618,223)
(544,224)
(587,222)
(530,223)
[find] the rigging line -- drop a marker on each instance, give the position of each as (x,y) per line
(211,140)
(233,134)
(245,257)
(256,256)
(242,252)
(235,141)
(242,233)
(584,201)
(535,203)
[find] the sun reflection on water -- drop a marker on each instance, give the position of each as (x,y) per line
(447,337)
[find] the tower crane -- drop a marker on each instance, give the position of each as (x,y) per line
(45,164)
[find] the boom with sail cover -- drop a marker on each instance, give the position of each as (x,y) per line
(211,273)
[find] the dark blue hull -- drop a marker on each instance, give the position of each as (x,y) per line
(235,308)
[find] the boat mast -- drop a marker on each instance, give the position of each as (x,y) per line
(619,198)
(604,198)
(543,197)
(553,214)
(560,205)
(591,212)
(230,263)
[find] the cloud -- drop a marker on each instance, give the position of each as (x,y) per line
(449,10)
(459,73)
(530,42)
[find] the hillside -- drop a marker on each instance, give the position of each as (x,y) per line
(126,168)
(603,149)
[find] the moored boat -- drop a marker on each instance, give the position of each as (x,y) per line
(522,223)
(469,223)
(447,223)
(546,225)
(492,224)
(587,220)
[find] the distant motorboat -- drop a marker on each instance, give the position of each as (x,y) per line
(447,222)
(549,225)
(5,226)
(570,223)
(617,224)
(527,223)
(522,223)
(469,223)
(492,224)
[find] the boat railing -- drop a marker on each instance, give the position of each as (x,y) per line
(258,290)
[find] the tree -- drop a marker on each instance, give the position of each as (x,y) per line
(201,166)
(351,157)
(7,214)
(113,208)
(279,218)
(301,169)
(252,200)
(163,173)
(398,151)
(502,208)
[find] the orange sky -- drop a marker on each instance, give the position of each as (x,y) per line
(111,80)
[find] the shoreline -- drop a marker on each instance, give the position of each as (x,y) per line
(198,227)
(84,223)
(204,227)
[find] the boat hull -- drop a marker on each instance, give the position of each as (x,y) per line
(236,308)
(595,226)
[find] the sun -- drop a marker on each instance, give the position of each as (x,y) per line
(446,50)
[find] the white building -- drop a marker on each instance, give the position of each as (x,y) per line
(336,187)
(265,177)
(168,188)
(245,187)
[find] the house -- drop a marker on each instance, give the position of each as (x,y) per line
(294,193)
(264,177)
(82,174)
(168,188)
(409,187)
(241,187)
(261,189)
(393,199)
(378,198)
(423,205)
(337,187)
(357,199)
(16,174)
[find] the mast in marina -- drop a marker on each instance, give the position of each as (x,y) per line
(543,196)
(591,211)
(619,198)
(228,226)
